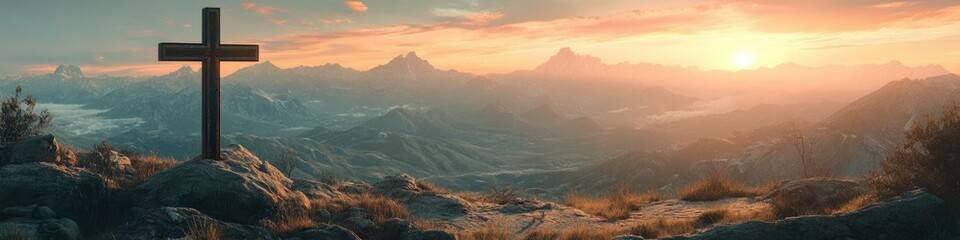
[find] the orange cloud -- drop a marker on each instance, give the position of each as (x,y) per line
(356,6)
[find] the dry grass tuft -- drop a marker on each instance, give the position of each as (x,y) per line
(471,196)
(784,207)
(289,219)
(379,208)
(149,165)
(491,230)
(711,217)
(430,187)
(11,232)
(615,206)
(581,232)
(716,186)
(856,203)
(541,233)
(205,230)
(724,216)
(662,228)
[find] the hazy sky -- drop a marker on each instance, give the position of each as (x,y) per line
(484,36)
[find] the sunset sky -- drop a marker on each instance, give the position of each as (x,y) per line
(484,36)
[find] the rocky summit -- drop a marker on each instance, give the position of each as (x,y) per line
(240,188)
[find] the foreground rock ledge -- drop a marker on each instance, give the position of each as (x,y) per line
(241,188)
(913,215)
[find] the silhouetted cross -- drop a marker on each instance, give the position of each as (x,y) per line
(210,52)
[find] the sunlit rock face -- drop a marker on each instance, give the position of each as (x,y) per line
(241,188)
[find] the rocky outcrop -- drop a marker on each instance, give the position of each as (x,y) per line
(68,191)
(241,188)
(30,228)
(421,203)
(176,223)
(314,189)
(914,215)
(324,232)
(525,206)
(43,148)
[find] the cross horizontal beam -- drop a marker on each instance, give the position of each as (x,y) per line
(200,52)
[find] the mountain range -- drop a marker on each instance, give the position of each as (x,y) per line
(573,114)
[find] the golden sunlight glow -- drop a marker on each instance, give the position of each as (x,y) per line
(743,59)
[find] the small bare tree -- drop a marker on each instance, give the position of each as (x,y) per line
(287,161)
(18,121)
(793,134)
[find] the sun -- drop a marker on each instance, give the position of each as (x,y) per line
(743,59)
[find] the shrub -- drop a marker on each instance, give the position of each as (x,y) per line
(98,160)
(287,161)
(716,186)
(502,195)
(928,157)
(616,205)
(18,121)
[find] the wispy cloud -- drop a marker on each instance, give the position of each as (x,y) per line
(265,11)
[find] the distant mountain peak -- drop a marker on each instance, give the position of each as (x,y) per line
(265,65)
(567,62)
(68,71)
(582,124)
(185,68)
(182,72)
(546,113)
(409,64)
(412,55)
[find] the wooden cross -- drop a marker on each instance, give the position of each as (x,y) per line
(210,52)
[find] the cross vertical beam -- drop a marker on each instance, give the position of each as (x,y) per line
(210,88)
(210,52)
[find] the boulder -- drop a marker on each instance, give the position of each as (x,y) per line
(30,228)
(422,204)
(437,206)
(58,229)
(914,215)
(360,225)
(324,232)
(399,186)
(394,228)
(43,148)
(67,191)
(241,188)
(176,222)
(355,188)
(525,206)
(816,193)
(316,190)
